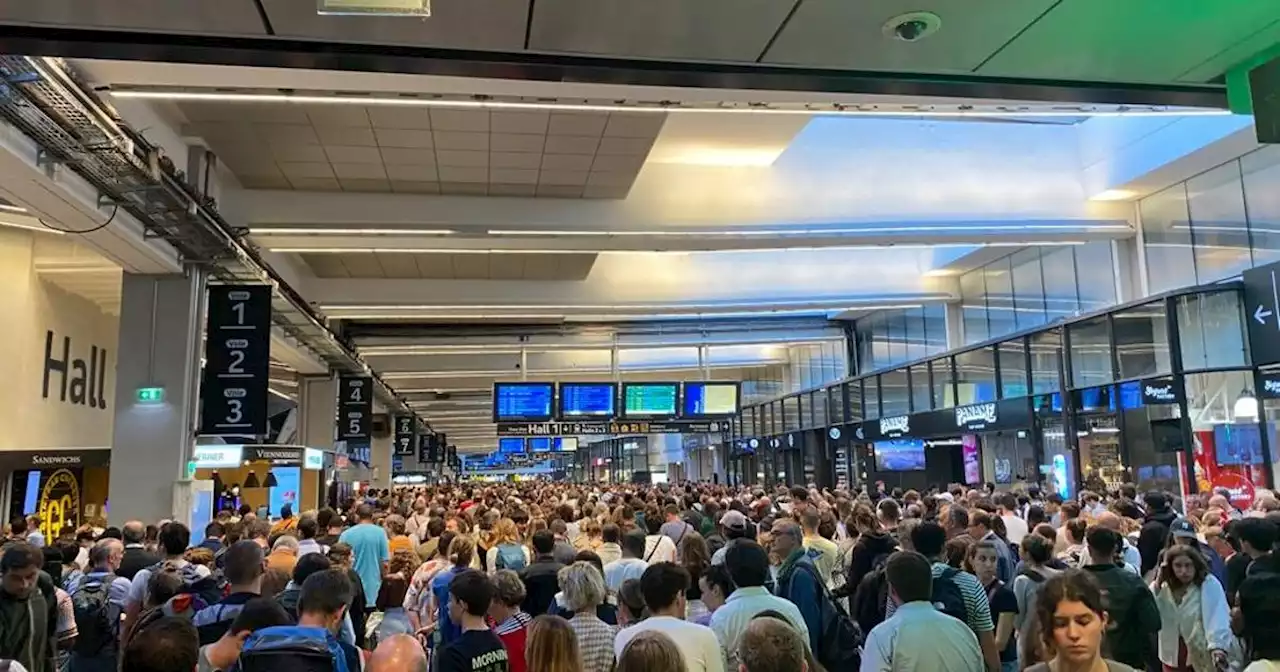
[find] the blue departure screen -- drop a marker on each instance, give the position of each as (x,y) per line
(539,444)
(710,399)
(587,400)
(522,402)
(565,444)
(511,445)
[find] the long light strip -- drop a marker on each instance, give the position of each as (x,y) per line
(511,349)
(748,250)
(403,375)
(389,101)
(321,231)
(869,301)
(948,228)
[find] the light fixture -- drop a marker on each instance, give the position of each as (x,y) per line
(252,480)
(992,227)
(321,231)
(1114,195)
(411,8)
(730,157)
(271,481)
(755,109)
(33,225)
(1246,406)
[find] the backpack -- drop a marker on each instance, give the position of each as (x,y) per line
(947,597)
(1034,576)
(871,595)
(510,556)
(294,648)
(839,638)
(91,604)
(204,590)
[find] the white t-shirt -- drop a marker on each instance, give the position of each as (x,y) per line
(659,548)
(1015,527)
(698,643)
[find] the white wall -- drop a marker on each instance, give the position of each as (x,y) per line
(31,307)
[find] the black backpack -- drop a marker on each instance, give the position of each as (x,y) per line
(293,648)
(947,597)
(95,626)
(871,595)
(839,639)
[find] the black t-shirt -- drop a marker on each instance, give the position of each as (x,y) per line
(1237,567)
(1003,601)
(473,651)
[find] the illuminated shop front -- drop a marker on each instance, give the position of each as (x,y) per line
(1159,392)
(65,488)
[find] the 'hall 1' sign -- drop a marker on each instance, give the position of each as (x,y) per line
(78,382)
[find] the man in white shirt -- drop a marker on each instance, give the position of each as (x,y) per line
(663,586)
(918,636)
(1014,526)
(748,565)
(629,566)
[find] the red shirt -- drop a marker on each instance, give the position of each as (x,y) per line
(514,633)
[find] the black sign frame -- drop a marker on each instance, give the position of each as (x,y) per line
(1262,313)
(355,411)
(237,351)
(989,416)
(424,447)
(405,427)
(1162,391)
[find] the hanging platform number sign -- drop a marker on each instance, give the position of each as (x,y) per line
(237,350)
(355,412)
(404,446)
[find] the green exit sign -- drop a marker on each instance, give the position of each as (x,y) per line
(150,395)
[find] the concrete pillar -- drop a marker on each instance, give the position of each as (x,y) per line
(318,405)
(380,456)
(954,318)
(161,320)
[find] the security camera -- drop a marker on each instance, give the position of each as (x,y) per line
(910,31)
(912,27)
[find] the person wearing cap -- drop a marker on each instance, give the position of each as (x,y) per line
(1182,532)
(734,526)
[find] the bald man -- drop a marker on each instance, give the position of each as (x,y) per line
(1132,559)
(136,556)
(398,653)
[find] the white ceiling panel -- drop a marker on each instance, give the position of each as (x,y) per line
(221,17)
(838,33)
(710,30)
(457,24)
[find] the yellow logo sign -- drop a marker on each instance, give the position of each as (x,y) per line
(59,503)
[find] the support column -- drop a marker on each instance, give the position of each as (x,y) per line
(161,318)
(317,424)
(380,461)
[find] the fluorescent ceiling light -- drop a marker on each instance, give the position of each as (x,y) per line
(33,225)
(412,8)
(460,250)
(942,111)
(507,349)
(993,227)
(748,250)
(9,207)
(1114,195)
(505,373)
(861,302)
(321,231)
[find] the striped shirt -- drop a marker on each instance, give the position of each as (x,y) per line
(977,610)
(595,641)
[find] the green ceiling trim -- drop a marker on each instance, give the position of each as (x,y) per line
(1239,98)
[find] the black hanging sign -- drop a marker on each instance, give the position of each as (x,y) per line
(355,410)
(404,436)
(1160,391)
(424,447)
(1270,386)
(237,350)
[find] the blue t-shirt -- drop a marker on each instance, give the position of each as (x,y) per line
(449,631)
(370,548)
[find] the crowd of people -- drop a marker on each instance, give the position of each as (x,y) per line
(690,577)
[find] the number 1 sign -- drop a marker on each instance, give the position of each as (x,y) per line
(237,350)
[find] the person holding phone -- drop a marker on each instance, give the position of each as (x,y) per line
(1195,632)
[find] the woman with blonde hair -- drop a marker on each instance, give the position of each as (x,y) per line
(584,591)
(552,646)
(505,549)
(590,539)
(651,651)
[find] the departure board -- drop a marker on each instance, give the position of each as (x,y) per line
(539,444)
(566,444)
(703,400)
(650,400)
(522,402)
(511,445)
(587,400)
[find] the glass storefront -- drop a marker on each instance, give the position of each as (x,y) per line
(1158,393)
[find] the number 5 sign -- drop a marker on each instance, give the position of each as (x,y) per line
(355,408)
(237,350)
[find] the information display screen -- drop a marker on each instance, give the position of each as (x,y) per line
(513,444)
(587,400)
(565,444)
(522,402)
(539,444)
(703,400)
(650,400)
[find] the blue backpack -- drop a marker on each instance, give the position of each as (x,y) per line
(295,648)
(510,556)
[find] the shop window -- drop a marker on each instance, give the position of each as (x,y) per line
(856,410)
(818,405)
(1095,275)
(871,397)
(1028,289)
(975,376)
(921,396)
(1013,369)
(894,393)
(1166,236)
(1046,361)
(1226,440)
(1261,170)
(1211,330)
(1008,459)
(943,383)
(1090,353)
(835,404)
(1098,437)
(1154,440)
(973,306)
(790,414)
(1218,227)
(896,330)
(1059,467)
(1142,340)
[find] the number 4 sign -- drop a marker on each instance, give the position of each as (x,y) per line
(355,408)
